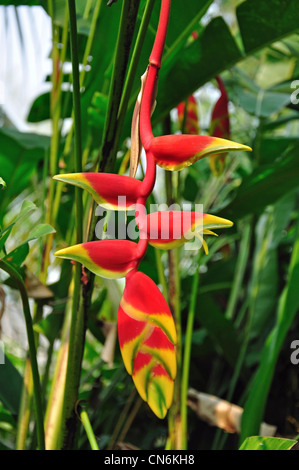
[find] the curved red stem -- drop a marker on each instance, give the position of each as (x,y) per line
(157,51)
(146,133)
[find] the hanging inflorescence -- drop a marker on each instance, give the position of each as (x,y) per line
(146,329)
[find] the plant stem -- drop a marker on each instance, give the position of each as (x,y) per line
(124,41)
(175,430)
(240,271)
(77,328)
(186,359)
(132,69)
(174,419)
(25,407)
(68,142)
(89,431)
(55,111)
(32,351)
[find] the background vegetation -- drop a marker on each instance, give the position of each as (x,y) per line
(240,305)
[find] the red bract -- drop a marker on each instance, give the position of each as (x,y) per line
(106,258)
(170,229)
(220,126)
(191,119)
(147,337)
(111,191)
(175,152)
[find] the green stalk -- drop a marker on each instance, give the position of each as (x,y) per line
(186,360)
(25,407)
(77,330)
(27,392)
(174,415)
(32,351)
(240,271)
(161,275)
(124,40)
(55,111)
(89,431)
(132,69)
(175,426)
(68,142)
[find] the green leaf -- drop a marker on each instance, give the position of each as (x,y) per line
(263,187)
(20,253)
(220,329)
(192,66)
(267,443)
(97,112)
(40,108)
(22,2)
(49,326)
(265,280)
(39,231)
(17,256)
(6,418)
(19,155)
(262,103)
(262,23)
(2,182)
(287,308)
(27,207)
(10,386)
(276,148)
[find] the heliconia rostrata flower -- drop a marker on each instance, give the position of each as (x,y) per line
(146,328)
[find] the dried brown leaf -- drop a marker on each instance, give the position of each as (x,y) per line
(221,413)
(136,144)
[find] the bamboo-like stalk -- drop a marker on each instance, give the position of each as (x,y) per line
(25,407)
(186,360)
(77,329)
(32,351)
(132,71)
(55,112)
(27,392)
(175,424)
(125,36)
